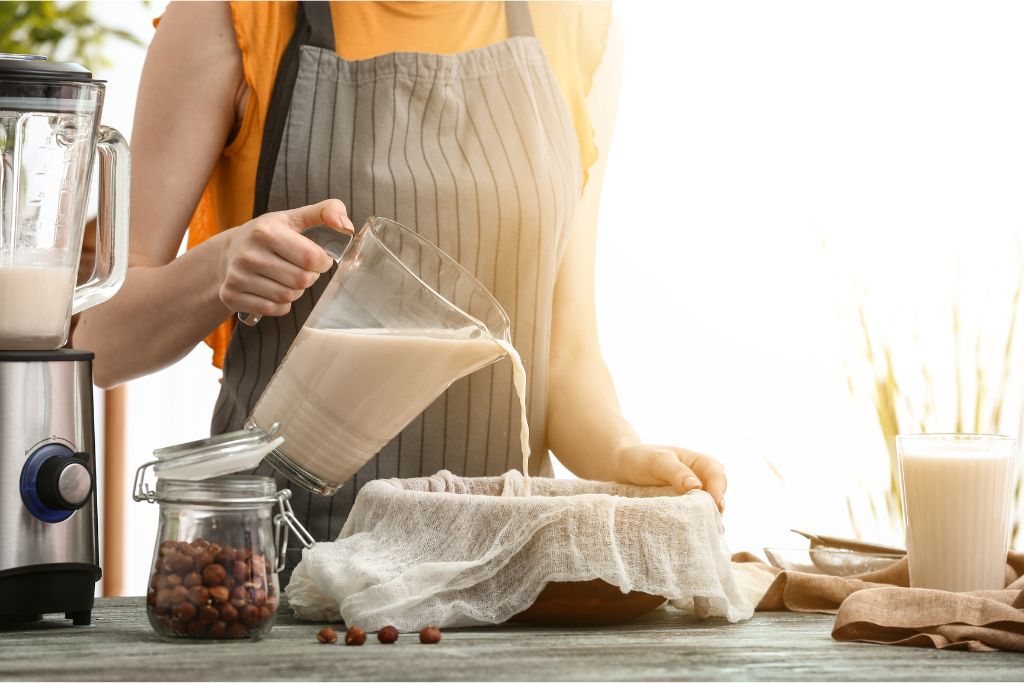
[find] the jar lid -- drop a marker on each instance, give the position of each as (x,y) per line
(233,489)
(217,456)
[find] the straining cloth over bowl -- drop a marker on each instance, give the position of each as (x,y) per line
(455,551)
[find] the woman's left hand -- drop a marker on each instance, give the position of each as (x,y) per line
(683,470)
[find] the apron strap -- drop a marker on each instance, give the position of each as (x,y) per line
(318,16)
(517,12)
(312,27)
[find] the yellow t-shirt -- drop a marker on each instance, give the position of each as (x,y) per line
(572,34)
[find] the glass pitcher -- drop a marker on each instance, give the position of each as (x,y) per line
(49,131)
(398,323)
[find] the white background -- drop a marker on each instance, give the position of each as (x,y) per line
(774,165)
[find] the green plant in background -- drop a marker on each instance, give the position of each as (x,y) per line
(64,31)
(980,395)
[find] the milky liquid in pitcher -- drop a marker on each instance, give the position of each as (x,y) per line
(34,306)
(340,395)
(958,514)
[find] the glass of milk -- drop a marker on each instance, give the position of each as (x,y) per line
(957,491)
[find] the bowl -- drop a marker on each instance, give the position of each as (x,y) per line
(833,562)
(586,603)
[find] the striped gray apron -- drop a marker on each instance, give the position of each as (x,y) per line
(476,152)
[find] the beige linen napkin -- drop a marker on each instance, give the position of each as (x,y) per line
(879,608)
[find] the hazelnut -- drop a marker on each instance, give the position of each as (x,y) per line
(220,594)
(163,598)
(259,597)
(249,614)
(203,560)
(197,629)
(387,635)
(174,580)
(228,613)
(179,627)
(213,575)
(327,635)
(430,635)
(240,572)
(151,598)
(235,630)
(264,615)
(186,611)
(192,579)
(239,597)
(258,567)
(179,594)
(158,566)
(167,547)
(198,595)
(159,582)
(228,582)
(225,556)
(208,614)
(355,636)
(217,629)
(180,563)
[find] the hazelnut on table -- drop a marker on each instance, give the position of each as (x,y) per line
(355,636)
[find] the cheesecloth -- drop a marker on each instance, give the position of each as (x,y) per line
(454,551)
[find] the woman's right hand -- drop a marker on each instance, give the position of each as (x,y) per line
(267,264)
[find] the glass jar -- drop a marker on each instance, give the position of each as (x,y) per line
(218,550)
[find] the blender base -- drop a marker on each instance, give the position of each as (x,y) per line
(27,593)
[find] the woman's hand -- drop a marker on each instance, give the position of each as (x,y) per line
(267,264)
(683,470)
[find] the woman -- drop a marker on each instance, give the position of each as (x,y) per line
(456,119)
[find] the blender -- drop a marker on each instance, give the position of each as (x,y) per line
(49,134)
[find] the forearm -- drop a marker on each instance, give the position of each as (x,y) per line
(586,428)
(160,313)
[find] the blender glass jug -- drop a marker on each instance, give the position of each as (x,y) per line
(398,323)
(49,131)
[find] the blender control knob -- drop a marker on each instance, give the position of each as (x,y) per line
(64,483)
(55,481)
(74,485)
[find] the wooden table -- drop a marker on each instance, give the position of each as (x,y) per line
(663,646)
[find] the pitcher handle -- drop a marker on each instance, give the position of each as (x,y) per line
(112,233)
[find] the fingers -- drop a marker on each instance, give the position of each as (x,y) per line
(264,283)
(271,290)
(330,212)
(250,303)
(665,466)
(300,251)
(710,471)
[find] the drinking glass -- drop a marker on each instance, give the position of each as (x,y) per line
(957,491)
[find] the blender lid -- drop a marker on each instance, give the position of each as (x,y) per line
(219,455)
(39,68)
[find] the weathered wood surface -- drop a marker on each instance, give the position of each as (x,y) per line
(662,646)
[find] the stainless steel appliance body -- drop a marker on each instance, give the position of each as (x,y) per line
(49,556)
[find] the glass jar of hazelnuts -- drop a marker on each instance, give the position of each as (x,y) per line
(219,548)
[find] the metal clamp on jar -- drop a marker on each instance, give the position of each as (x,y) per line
(219,545)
